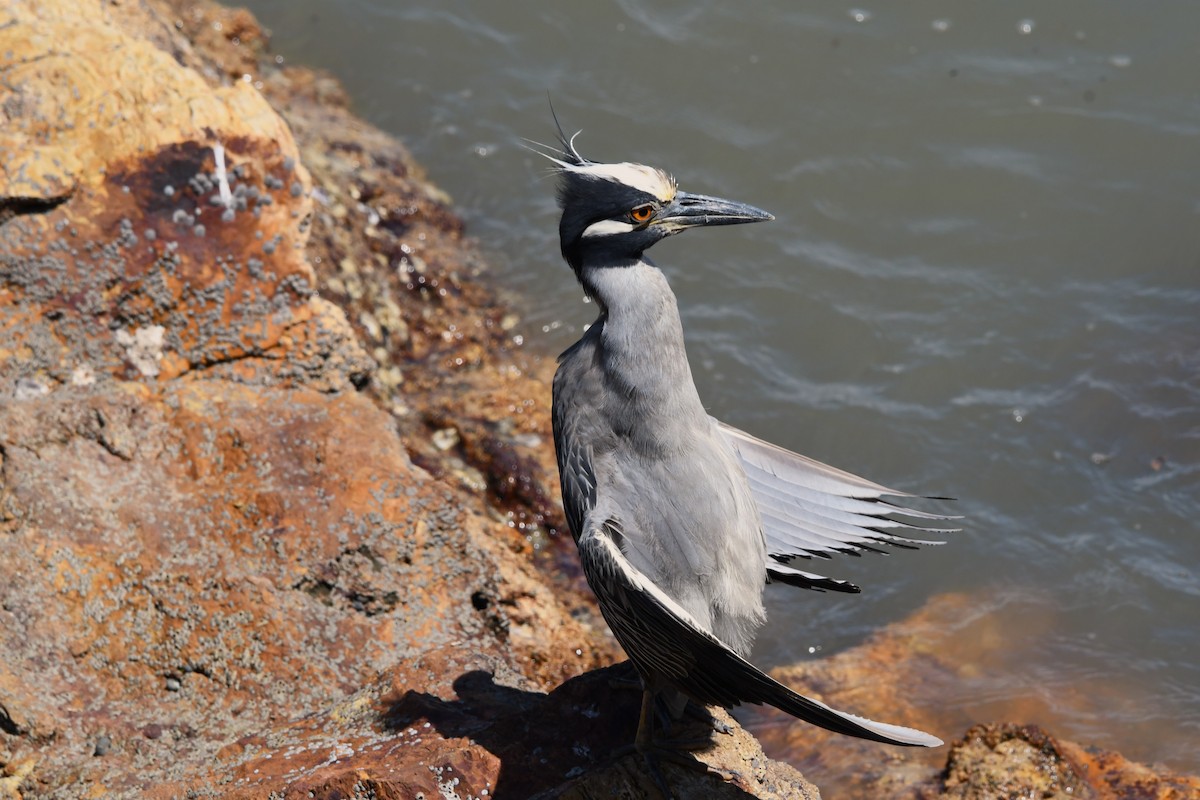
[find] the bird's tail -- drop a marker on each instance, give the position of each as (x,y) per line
(819,714)
(730,677)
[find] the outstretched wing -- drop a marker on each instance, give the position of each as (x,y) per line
(665,642)
(810,509)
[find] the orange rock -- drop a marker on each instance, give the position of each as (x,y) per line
(129,252)
(205,527)
(1004,760)
(207,530)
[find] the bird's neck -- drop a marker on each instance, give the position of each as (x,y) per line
(641,344)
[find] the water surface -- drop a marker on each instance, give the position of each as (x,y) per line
(983,281)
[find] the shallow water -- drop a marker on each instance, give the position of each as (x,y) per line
(983,281)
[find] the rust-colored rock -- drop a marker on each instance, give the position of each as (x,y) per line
(206,530)
(1005,760)
(198,569)
(472,406)
(489,734)
(1114,777)
(1009,761)
(124,253)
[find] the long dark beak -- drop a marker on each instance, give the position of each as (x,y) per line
(695,210)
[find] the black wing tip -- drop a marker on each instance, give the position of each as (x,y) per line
(896,508)
(814,583)
(896,493)
(890,541)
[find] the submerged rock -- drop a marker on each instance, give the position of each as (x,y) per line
(925,671)
(1006,760)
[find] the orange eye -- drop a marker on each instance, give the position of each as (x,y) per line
(642,213)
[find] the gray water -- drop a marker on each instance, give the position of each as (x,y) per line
(983,281)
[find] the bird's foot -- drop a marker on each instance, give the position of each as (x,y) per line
(695,711)
(673,752)
(702,715)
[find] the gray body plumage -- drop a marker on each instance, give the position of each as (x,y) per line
(664,472)
(679,519)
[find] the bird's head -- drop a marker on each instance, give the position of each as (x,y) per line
(611,213)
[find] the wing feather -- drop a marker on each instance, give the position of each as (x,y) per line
(812,510)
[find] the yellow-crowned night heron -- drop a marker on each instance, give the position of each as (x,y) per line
(680,519)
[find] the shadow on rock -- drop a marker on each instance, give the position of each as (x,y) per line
(563,745)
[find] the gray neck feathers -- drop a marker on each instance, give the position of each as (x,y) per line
(643,356)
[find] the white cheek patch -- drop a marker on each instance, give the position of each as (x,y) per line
(607,227)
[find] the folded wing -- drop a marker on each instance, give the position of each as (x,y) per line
(663,640)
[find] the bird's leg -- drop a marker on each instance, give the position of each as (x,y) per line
(675,708)
(645,732)
(652,752)
(634,682)
(644,742)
